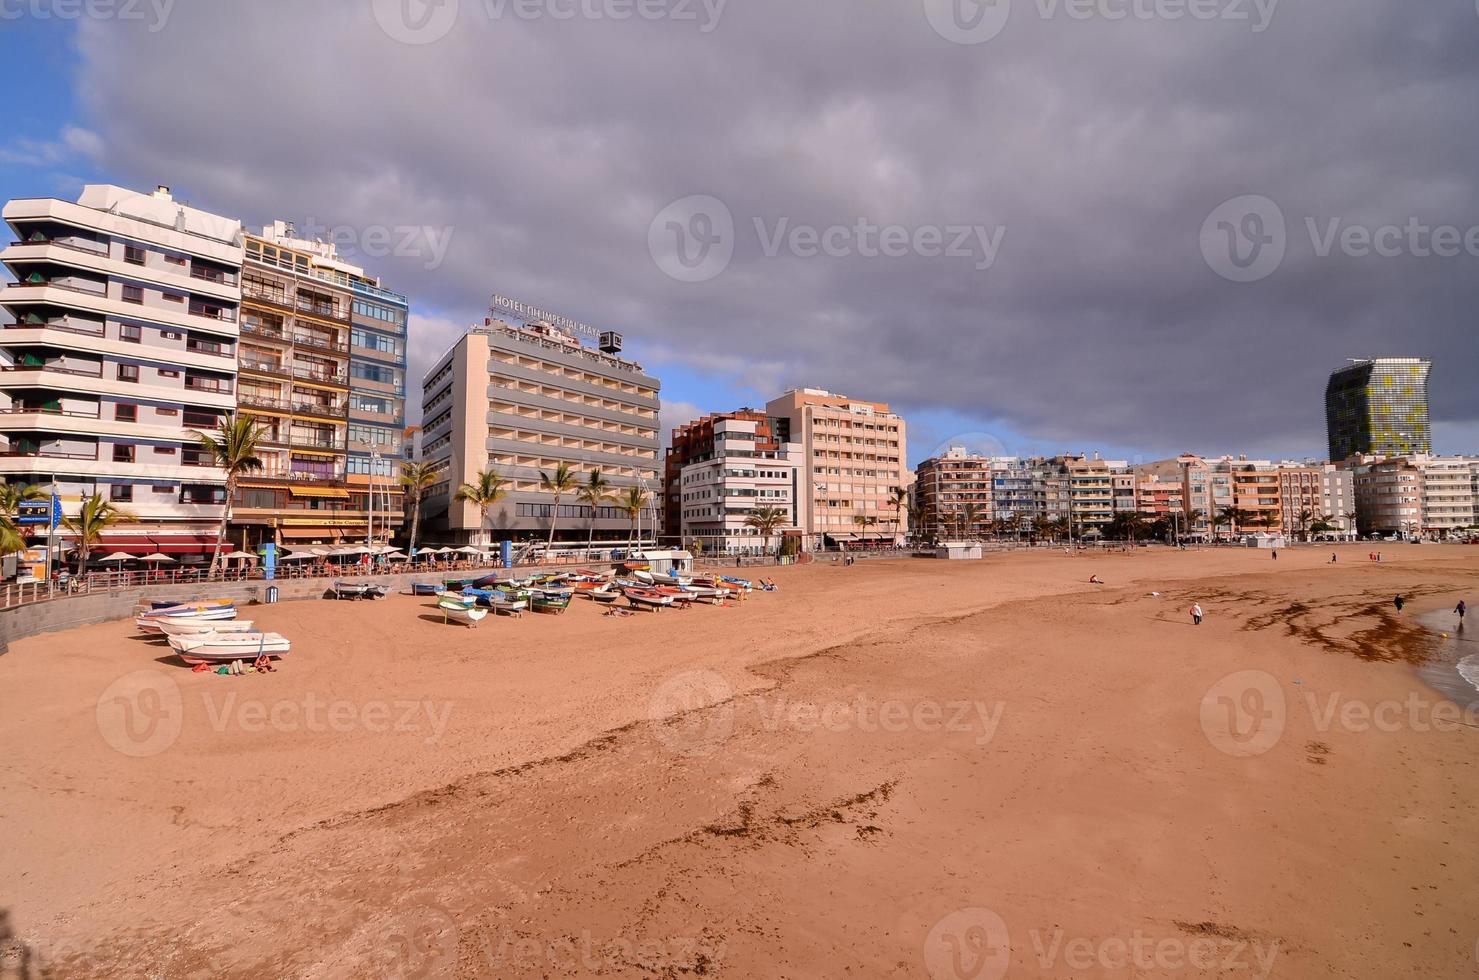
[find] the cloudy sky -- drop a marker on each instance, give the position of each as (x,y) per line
(1137,226)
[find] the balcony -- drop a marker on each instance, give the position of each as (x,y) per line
(212,312)
(265,294)
(261,330)
(44,454)
(321,376)
(216,276)
(208,386)
(55,368)
(322,343)
(329,311)
(42,410)
(207,347)
(247,400)
(70,324)
(327,410)
(265,367)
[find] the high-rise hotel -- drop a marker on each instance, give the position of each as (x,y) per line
(1379,406)
(522,400)
(124,342)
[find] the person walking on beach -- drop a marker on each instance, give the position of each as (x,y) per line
(1462,608)
(1276,554)
(1196,614)
(1399,602)
(1333,556)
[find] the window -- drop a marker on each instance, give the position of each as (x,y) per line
(133,255)
(174,259)
(174,297)
(123,453)
(164,450)
(171,412)
(171,334)
(130,332)
(133,294)
(163,488)
(126,413)
(128,372)
(166,373)
(259,499)
(122,492)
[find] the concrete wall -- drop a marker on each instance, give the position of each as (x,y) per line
(19,622)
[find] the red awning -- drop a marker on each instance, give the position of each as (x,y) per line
(169,544)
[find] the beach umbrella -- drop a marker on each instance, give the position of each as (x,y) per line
(117,556)
(469,550)
(395,555)
(444,550)
(296,556)
(240,554)
(157,557)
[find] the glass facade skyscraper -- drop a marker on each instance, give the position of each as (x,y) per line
(1379,407)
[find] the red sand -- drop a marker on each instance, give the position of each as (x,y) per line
(900,769)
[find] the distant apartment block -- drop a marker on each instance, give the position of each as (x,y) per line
(124,344)
(957,493)
(1418,495)
(522,400)
(719,471)
(854,455)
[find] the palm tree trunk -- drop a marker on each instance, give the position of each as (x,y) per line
(415,522)
(225,517)
(554,515)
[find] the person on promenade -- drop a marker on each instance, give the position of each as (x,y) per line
(1196,614)
(1399,602)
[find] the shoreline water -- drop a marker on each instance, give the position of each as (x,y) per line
(1453,669)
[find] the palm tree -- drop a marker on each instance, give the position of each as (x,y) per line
(898,499)
(95,517)
(417,477)
(1194,517)
(863,521)
(594,492)
(488,489)
(632,505)
(970,514)
(233,448)
(1302,522)
(768,520)
(1231,515)
(1350,522)
(559,483)
(918,515)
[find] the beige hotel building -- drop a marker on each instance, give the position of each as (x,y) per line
(853,453)
(523,399)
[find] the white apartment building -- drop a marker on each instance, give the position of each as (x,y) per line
(1448,495)
(719,494)
(854,453)
(123,342)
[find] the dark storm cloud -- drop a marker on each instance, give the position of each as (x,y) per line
(547,147)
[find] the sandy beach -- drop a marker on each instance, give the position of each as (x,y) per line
(895,769)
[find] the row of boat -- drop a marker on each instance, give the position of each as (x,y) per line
(469,601)
(207,631)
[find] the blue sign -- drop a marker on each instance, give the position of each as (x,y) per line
(36,513)
(269,561)
(56,510)
(508,554)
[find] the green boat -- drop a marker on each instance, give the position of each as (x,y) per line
(550,604)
